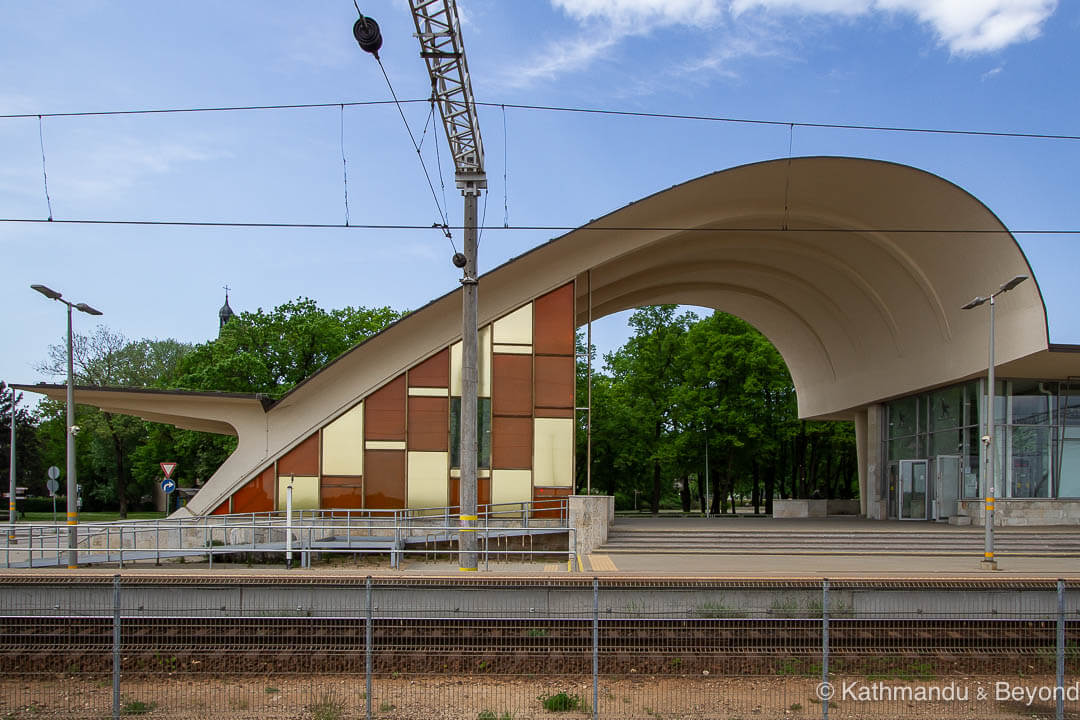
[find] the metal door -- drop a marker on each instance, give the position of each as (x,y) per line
(911,492)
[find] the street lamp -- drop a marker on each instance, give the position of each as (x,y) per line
(990,480)
(72,488)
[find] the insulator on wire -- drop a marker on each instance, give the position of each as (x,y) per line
(367,34)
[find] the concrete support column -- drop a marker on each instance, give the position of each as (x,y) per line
(591,516)
(877,505)
(860,454)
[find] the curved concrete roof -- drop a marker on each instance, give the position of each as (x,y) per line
(855,269)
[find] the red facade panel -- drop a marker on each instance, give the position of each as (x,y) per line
(554,412)
(341,497)
(384,479)
(511,385)
(554,381)
(222,509)
(483,493)
(547,503)
(302,459)
(257,495)
(429,423)
(553,322)
(433,372)
(384,412)
(511,443)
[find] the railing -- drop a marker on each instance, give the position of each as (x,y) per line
(305,532)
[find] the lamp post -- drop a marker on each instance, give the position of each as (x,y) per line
(72,486)
(11,483)
(990,479)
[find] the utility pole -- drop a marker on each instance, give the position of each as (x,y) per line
(11,483)
(439,31)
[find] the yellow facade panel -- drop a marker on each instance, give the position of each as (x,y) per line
(483,365)
(509,488)
(343,444)
(553,451)
(305,493)
(427,480)
(515,328)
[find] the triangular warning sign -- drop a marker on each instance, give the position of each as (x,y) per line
(168,468)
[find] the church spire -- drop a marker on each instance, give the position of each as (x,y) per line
(225,313)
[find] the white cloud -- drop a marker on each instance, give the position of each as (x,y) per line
(641,13)
(964,26)
(562,57)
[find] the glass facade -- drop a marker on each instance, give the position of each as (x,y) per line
(1037,429)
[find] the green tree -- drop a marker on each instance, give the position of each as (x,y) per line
(29,470)
(270,352)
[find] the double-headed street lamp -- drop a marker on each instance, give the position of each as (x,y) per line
(989,479)
(72,487)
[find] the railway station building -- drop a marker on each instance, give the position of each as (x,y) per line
(856,270)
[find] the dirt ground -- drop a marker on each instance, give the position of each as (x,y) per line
(485,697)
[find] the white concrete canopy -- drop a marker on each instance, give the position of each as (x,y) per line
(855,269)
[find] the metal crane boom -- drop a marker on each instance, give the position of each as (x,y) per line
(439,31)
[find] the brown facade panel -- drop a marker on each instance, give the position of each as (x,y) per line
(342,481)
(302,459)
(554,412)
(553,322)
(257,495)
(384,412)
(511,385)
(433,372)
(222,509)
(511,443)
(554,381)
(548,502)
(384,479)
(347,498)
(429,423)
(483,493)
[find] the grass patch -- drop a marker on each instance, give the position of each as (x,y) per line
(136,707)
(562,702)
(326,709)
(490,715)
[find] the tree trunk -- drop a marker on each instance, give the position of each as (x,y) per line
(755,492)
(731,478)
(701,492)
(770,483)
(121,478)
(656,474)
(684,494)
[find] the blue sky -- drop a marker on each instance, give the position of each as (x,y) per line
(1008,65)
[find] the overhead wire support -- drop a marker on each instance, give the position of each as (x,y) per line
(438,29)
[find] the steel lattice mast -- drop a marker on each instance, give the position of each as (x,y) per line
(439,30)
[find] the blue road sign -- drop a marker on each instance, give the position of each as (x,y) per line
(168,485)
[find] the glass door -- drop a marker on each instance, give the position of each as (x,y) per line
(946,486)
(911,492)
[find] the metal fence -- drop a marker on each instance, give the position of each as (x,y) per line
(302,533)
(516,649)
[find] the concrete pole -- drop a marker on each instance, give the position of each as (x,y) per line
(72,485)
(11,483)
(467,559)
(588,414)
(988,562)
(288,524)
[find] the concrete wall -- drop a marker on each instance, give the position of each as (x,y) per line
(591,517)
(1025,512)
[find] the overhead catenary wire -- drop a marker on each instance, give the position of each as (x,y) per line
(344,166)
(44,173)
(599,227)
(1026,135)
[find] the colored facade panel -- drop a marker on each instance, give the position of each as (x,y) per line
(483,493)
(433,372)
(508,488)
(511,444)
(515,328)
(554,412)
(222,509)
(553,452)
(429,423)
(341,497)
(554,322)
(384,411)
(429,483)
(257,495)
(384,481)
(554,381)
(305,494)
(483,365)
(512,385)
(302,459)
(547,502)
(343,444)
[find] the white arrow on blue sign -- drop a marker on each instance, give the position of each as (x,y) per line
(168,485)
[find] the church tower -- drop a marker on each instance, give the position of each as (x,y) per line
(225,313)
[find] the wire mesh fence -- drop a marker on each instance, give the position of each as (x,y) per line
(573,648)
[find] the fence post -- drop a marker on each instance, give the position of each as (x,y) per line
(596,648)
(825,648)
(367,648)
(1059,688)
(116,649)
